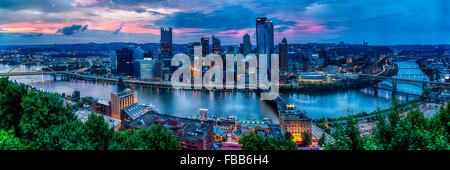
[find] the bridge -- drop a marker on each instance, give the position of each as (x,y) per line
(9,74)
(435,88)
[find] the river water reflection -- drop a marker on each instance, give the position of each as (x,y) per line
(244,105)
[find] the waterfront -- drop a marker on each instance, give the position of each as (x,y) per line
(244,105)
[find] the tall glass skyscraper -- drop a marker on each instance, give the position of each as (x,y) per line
(205,46)
(246,45)
(283,48)
(125,62)
(165,46)
(264,37)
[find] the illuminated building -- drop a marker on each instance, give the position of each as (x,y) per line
(205,46)
(316,77)
(296,123)
(121,100)
(264,37)
(246,45)
(101,106)
(215,45)
(192,134)
(165,46)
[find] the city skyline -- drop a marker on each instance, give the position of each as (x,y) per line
(321,21)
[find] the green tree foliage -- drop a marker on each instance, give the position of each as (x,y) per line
(40,112)
(98,132)
(256,142)
(66,136)
(413,132)
(353,134)
(9,142)
(306,139)
(155,138)
(10,99)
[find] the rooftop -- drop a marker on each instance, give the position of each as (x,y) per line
(185,128)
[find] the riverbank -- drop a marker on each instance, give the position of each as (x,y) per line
(432,73)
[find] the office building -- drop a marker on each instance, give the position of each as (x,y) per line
(205,46)
(246,45)
(124,62)
(264,37)
(146,68)
(283,54)
(113,61)
(165,46)
(215,45)
(122,100)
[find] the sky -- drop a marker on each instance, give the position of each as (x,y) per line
(380,22)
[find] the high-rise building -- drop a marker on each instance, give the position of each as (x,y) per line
(231,50)
(149,54)
(138,54)
(124,62)
(190,49)
(264,36)
(158,70)
(146,68)
(122,100)
(205,46)
(215,45)
(113,57)
(165,46)
(283,48)
(246,45)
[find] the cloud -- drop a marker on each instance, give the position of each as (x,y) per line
(32,35)
(118,29)
(281,29)
(70,30)
(41,5)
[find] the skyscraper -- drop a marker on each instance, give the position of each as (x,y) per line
(215,45)
(283,48)
(205,46)
(264,37)
(124,62)
(246,45)
(165,46)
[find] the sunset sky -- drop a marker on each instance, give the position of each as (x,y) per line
(300,21)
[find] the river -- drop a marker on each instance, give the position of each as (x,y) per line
(243,105)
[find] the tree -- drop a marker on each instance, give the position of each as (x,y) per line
(444,116)
(98,132)
(9,142)
(66,136)
(288,136)
(154,138)
(10,108)
(322,140)
(306,139)
(353,134)
(252,141)
(40,112)
(340,140)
